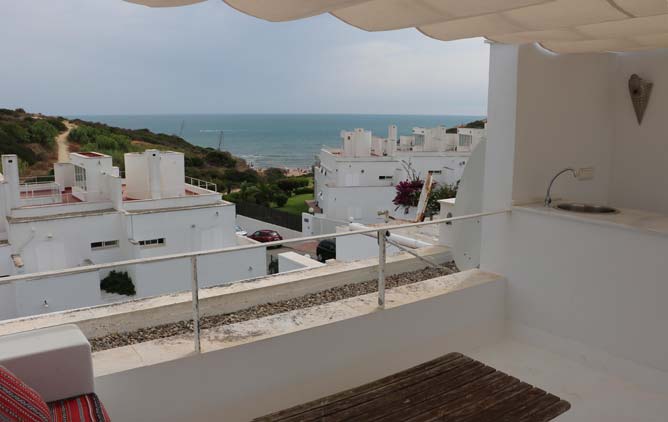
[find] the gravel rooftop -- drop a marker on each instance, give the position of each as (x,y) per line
(260,311)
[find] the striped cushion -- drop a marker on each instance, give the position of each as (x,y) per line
(87,408)
(18,402)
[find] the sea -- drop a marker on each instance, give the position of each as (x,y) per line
(273,140)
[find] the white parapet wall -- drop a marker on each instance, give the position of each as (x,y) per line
(292,261)
(261,366)
(53,293)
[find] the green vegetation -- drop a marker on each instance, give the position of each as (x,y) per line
(104,140)
(440,192)
(31,139)
(297,204)
(476,124)
(118,282)
(272,188)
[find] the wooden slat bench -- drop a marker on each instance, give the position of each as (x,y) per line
(451,388)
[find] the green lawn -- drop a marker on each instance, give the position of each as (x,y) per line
(296,204)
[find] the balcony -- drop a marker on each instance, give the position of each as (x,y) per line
(246,367)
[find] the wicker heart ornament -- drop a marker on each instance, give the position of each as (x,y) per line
(640,91)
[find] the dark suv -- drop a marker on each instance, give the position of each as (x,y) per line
(326,250)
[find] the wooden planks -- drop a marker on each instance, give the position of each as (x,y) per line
(453,387)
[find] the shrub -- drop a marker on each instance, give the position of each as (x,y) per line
(303,191)
(193,161)
(237,176)
(232,197)
(16,132)
(439,192)
(42,132)
(408,193)
(9,145)
(280,199)
(220,159)
(58,124)
(118,282)
(273,174)
(290,184)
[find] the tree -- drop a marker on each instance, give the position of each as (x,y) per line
(247,192)
(290,184)
(265,194)
(273,174)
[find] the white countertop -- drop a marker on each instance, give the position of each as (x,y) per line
(625,218)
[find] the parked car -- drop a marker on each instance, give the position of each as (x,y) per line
(240,231)
(266,236)
(326,250)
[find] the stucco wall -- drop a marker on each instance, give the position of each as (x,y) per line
(563,120)
(640,152)
(601,288)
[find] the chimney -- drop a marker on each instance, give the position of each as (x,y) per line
(10,170)
(154,182)
(392,133)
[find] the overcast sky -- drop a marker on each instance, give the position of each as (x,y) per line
(112,57)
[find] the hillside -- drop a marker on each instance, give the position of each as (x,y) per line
(32,137)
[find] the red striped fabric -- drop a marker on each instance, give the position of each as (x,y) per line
(18,402)
(86,408)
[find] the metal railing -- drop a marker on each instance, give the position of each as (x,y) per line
(381,232)
(40,192)
(202,184)
(37,179)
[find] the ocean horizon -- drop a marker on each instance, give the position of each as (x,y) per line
(273,140)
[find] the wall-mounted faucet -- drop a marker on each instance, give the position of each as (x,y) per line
(548,198)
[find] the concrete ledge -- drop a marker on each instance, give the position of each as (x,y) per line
(255,367)
(141,313)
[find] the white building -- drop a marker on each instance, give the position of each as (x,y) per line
(358,180)
(89,214)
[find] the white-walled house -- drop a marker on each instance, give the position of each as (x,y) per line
(89,214)
(358,180)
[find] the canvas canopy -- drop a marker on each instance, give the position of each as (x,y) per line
(564,26)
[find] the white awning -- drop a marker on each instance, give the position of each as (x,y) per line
(564,26)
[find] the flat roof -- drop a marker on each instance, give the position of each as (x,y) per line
(91,154)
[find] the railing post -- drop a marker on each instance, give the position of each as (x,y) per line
(381,268)
(195,292)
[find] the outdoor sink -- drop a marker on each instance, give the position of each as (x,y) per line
(586,208)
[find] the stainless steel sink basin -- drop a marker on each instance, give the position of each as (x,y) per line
(586,208)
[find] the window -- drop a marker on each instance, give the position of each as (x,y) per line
(465,140)
(419,140)
(105,244)
(80,177)
(152,242)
